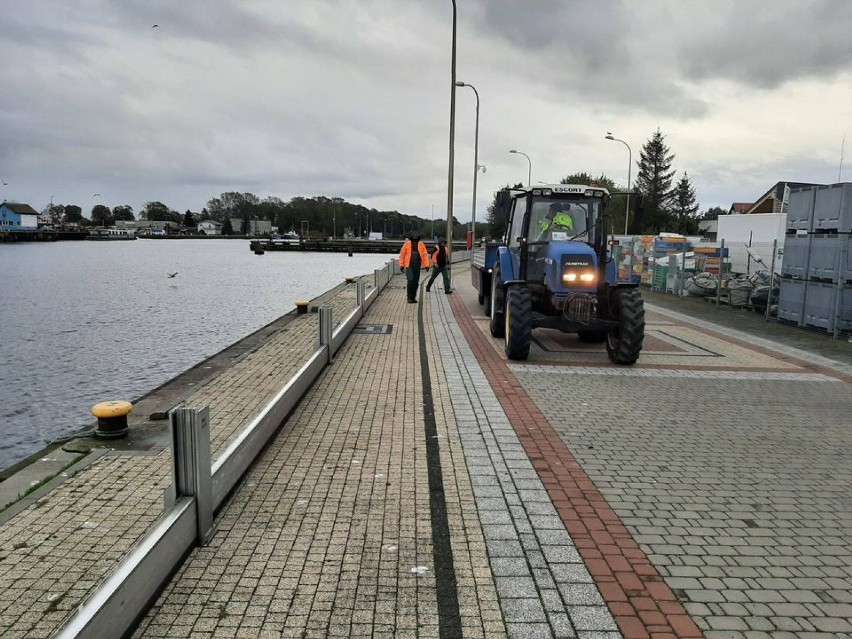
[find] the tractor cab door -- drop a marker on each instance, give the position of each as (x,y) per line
(516,235)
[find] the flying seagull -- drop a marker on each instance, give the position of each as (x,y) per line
(155,26)
(5,183)
(172,274)
(97,195)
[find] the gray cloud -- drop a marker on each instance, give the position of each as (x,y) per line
(765,45)
(350,97)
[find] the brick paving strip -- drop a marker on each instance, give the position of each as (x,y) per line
(635,593)
(55,552)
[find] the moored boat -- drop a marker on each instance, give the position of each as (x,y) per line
(111,234)
(290,238)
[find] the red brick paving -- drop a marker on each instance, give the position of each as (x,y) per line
(643,606)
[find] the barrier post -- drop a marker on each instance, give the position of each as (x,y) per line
(360,290)
(191,464)
(325,330)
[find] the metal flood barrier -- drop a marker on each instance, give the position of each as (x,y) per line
(200,487)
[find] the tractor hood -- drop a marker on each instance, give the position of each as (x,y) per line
(558,249)
(564,257)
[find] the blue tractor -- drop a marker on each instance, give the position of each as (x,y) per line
(553,270)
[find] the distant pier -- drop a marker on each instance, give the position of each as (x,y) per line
(42,235)
(340,246)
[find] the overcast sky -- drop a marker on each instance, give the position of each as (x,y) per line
(350,98)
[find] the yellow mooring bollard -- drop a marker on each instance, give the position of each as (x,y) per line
(302,307)
(112,418)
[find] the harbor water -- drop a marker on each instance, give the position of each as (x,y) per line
(84,322)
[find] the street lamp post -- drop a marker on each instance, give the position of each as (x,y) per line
(529,174)
(452,145)
(433,222)
(609,136)
(475,161)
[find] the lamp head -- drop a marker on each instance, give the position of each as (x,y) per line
(459,83)
(609,136)
(513,151)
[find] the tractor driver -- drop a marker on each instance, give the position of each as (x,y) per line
(558,216)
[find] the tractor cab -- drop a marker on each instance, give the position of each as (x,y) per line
(557,240)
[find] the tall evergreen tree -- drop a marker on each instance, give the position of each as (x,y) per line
(188,218)
(685,206)
(227,228)
(654,182)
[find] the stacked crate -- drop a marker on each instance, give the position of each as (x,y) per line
(709,259)
(663,248)
(816,272)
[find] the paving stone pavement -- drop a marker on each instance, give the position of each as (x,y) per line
(425,487)
(331,533)
(735,482)
(55,552)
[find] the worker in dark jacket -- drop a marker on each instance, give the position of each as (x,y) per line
(439,259)
(412,258)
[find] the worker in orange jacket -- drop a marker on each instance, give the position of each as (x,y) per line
(412,258)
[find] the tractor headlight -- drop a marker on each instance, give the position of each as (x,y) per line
(578,271)
(576,277)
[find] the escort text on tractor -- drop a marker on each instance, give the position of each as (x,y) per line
(553,269)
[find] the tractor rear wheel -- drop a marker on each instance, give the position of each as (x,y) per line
(624,343)
(496,325)
(592,337)
(518,322)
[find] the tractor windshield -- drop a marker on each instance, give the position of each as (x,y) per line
(562,219)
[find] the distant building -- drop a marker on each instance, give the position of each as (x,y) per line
(18,217)
(771,201)
(260,227)
(739,208)
(256,227)
(210,227)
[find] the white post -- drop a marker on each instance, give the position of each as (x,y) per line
(325,330)
(191,464)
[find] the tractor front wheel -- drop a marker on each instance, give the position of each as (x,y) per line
(624,342)
(518,322)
